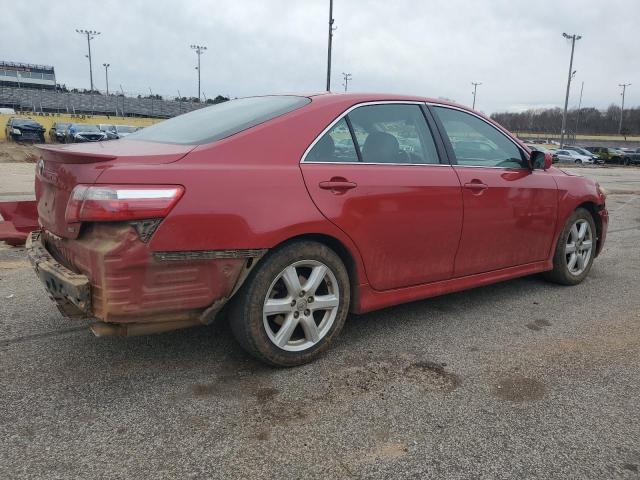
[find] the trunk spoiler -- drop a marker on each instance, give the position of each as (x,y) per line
(58,154)
(20,218)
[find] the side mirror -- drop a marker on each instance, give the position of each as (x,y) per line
(540,160)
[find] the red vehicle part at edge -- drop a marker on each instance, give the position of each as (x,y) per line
(20,218)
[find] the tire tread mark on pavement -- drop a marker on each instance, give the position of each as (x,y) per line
(36,336)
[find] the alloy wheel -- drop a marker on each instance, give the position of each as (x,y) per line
(579,247)
(301,305)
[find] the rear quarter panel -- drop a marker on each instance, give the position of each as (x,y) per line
(244,192)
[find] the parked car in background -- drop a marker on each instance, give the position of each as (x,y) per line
(585,152)
(117,131)
(539,148)
(156,231)
(607,154)
(58,132)
(81,132)
(109,129)
(125,130)
(631,156)
(572,156)
(24,130)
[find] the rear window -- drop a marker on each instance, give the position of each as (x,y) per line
(219,121)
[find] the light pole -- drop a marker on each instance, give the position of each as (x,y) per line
(331,30)
(106,75)
(475,91)
(199,49)
(90,34)
(347,79)
(122,91)
(573,39)
(624,89)
(151,96)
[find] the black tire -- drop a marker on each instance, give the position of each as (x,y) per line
(560,273)
(626,161)
(246,312)
(579,162)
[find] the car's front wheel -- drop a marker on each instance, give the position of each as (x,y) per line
(578,161)
(575,249)
(293,304)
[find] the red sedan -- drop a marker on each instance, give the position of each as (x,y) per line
(292,211)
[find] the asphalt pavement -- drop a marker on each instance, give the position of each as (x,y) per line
(522,379)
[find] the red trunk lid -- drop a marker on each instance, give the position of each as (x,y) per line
(61,168)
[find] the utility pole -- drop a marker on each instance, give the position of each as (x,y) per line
(579,108)
(90,34)
(199,49)
(331,30)
(573,39)
(347,78)
(106,75)
(624,89)
(475,91)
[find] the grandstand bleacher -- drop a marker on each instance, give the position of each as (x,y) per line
(55,101)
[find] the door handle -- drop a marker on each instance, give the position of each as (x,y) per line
(337,185)
(476,185)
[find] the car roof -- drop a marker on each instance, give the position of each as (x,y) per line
(352,98)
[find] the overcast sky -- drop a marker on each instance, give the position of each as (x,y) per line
(425,47)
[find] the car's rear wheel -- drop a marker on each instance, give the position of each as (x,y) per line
(293,305)
(575,249)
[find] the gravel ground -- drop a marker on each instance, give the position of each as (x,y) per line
(522,379)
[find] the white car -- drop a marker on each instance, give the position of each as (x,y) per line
(573,156)
(125,130)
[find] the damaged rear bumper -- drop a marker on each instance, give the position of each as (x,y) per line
(111,275)
(71,291)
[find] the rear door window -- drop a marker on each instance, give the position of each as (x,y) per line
(393,133)
(334,146)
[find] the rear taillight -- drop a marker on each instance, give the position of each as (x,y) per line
(115,203)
